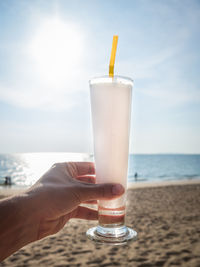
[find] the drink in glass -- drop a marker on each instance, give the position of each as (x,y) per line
(111,112)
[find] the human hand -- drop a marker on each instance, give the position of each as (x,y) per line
(60,191)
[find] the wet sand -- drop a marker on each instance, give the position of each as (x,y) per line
(166,217)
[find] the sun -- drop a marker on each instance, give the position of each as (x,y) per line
(56,49)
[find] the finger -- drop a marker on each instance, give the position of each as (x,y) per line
(91,179)
(84,168)
(85,213)
(99,191)
(80,168)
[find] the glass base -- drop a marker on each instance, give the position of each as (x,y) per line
(111,236)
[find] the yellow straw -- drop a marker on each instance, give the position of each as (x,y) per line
(113,54)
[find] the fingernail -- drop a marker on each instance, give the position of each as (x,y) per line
(117,189)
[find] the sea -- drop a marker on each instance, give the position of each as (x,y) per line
(26,168)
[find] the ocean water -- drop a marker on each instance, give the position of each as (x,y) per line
(25,169)
(164,167)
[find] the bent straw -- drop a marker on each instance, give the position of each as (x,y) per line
(113,54)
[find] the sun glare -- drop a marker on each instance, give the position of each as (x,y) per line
(56,49)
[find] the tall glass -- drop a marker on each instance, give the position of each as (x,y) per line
(111,112)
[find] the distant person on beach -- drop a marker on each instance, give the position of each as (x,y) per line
(45,208)
(7,180)
(136,176)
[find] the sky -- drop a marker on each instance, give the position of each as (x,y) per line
(49,50)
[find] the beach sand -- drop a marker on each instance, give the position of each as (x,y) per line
(167,219)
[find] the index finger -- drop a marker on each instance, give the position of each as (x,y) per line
(84,168)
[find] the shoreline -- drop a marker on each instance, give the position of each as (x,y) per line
(133,185)
(9,191)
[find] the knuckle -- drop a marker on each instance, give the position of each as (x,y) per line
(56,165)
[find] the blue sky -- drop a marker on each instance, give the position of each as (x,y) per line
(50,49)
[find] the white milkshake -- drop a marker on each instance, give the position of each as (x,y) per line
(111,111)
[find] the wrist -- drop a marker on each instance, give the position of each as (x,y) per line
(19,224)
(28,219)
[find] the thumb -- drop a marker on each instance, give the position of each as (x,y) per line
(100,191)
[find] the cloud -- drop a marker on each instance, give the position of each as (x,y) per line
(165,75)
(146,67)
(42,97)
(25,86)
(46,70)
(173,94)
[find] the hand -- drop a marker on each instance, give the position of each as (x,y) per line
(58,194)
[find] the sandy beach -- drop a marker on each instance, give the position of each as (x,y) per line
(166,217)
